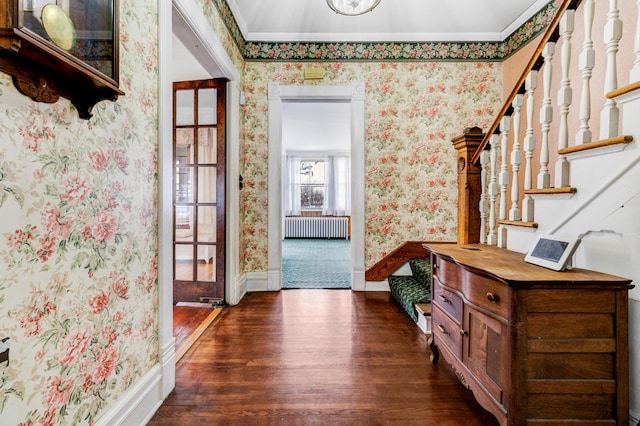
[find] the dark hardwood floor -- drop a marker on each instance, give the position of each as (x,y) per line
(189,323)
(316,357)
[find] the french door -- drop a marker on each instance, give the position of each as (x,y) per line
(199,190)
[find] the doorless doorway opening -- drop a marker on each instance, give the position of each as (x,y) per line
(353,94)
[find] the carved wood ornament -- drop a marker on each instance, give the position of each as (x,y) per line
(45,72)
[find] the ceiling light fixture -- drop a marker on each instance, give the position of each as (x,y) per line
(352,7)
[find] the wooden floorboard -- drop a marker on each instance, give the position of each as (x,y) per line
(316,357)
(189,323)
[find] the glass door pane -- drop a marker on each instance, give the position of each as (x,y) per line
(206,106)
(198,190)
(207,184)
(184,100)
(207,153)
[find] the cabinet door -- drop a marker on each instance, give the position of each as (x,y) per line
(485,350)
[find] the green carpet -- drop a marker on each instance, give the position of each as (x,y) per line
(316,263)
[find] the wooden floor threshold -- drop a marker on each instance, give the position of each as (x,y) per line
(186,345)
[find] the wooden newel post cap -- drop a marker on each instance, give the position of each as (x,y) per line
(469,190)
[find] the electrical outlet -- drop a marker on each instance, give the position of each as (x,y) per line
(4,352)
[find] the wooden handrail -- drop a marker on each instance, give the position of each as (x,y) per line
(549,34)
(394,260)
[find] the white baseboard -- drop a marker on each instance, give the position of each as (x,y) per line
(237,290)
(242,288)
(138,405)
(377,286)
(257,281)
(168,359)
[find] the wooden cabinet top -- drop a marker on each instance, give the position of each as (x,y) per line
(509,266)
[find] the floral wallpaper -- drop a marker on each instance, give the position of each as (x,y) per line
(78,246)
(221,20)
(413,112)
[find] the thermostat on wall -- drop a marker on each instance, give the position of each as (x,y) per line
(552,252)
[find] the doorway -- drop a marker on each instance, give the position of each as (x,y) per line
(191,50)
(316,194)
(353,95)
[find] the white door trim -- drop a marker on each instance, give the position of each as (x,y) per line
(189,23)
(355,95)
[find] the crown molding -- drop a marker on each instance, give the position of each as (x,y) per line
(373,47)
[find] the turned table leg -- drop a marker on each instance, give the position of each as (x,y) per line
(435,354)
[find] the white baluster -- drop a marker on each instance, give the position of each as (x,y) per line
(634,75)
(587,62)
(505,126)
(610,116)
(484,161)
(530,85)
(503,178)
(493,190)
(565,96)
(546,116)
(516,159)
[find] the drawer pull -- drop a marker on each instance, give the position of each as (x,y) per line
(444,299)
(463,332)
(442,329)
(491,297)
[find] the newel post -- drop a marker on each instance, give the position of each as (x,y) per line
(469,188)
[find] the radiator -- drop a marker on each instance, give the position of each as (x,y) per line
(316,227)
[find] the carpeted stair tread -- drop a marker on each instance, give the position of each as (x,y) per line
(421,270)
(408,291)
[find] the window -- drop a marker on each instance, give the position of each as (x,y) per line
(312,184)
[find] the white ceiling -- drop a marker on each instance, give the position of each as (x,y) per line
(392,20)
(325,126)
(316,126)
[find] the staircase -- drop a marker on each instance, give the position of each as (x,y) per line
(562,155)
(413,292)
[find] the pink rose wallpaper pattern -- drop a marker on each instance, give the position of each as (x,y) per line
(78,244)
(413,111)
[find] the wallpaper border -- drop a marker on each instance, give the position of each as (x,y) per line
(387,51)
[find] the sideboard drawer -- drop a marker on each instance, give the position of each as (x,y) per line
(447,330)
(447,272)
(447,300)
(487,293)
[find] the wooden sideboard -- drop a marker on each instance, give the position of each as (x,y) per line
(534,345)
